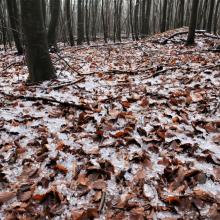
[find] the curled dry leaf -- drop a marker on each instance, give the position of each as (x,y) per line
(99,185)
(90,213)
(61,168)
(6,196)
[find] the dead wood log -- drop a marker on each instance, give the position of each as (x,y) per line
(203,32)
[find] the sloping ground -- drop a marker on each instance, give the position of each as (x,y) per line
(128,131)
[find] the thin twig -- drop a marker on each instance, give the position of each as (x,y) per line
(102,203)
(67,84)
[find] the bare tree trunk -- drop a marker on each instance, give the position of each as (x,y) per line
(104,23)
(3,28)
(44,11)
(37,55)
(52,31)
(87,23)
(216,17)
(80,23)
(164,19)
(143,19)
(147,17)
(181,12)
(14,21)
(136,20)
(69,21)
(210,18)
(193,21)
(131,19)
(94,18)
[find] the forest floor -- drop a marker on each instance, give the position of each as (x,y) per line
(127,131)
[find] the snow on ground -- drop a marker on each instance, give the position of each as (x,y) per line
(137,136)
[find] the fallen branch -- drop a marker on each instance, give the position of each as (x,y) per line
(73,69)
(186,32)
(47,99)
(128,72)
(14,63)
(67,84)
(102,203)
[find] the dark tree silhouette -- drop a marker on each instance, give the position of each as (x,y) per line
(14,21)
(164,19)
(37,56)
(52,31)
(80,23)
(193,21)
(210,18)
(69,21)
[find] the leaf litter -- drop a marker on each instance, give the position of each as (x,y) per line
(127,131)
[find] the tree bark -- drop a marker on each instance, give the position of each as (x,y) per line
(181,12)
(80,23)
(52,30)
(210,18)
(193,21)
(216,17)
(164,19)
(136,20)
(14,21)
(87,22)
(69,21)
(104,23)
(37,56)
(147,18)
(131,19)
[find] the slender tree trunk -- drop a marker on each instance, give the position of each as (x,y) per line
(94,18)
(115,20)
(181,12)
(119,14)
(37,56)
(216,17)
(87,22)
(136,20)
(210,18)
(205,6)
(131,19)
(80,23)
(44,11)
(193,21)
(14,21)
(164,19)
(55,6)
(147,17)
(69,21)
(143,19)
(3,29)
(104,23)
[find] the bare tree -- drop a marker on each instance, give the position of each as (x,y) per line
(37,56)
(69,21)
(80,22)
(193,21)
(164,19)
(14,21)
(211,13)
(52,31)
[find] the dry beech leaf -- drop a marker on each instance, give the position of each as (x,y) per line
(144,102)
(125,104)
(24,196)
(61,168)
(6,196)
(90,213)
(97,196)
(83,180)
(120,134)
(99,185)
